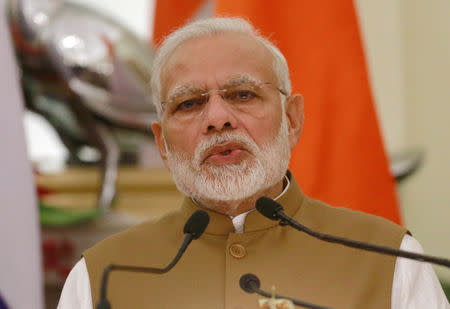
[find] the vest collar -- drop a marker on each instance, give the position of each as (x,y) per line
(221,224)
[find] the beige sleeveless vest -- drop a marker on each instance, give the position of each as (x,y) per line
(207,276)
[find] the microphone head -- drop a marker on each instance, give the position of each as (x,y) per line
(103,304)
(249,282)
(196,224)
(268,208)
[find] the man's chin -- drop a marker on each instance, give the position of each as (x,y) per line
(229,184)
(230,168)
(222,197)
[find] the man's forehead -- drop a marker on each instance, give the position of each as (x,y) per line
(216,58)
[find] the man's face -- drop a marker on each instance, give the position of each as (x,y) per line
(234,144)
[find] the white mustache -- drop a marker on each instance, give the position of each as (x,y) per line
(221,138)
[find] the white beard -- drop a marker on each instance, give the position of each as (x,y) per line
(232,182)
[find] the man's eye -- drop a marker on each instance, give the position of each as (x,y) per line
(189,104)
(241,95)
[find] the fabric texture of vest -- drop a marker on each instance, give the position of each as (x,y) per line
(207,276)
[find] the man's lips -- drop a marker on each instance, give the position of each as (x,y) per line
(227,153)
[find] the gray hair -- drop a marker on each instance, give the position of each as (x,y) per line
(208,27)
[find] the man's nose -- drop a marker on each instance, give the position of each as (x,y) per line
(218,115)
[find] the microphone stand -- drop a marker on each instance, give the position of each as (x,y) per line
(250,283)
(104,303)
(274,211)
(193,229)
(286,220)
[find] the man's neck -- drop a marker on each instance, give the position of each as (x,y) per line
(236,207)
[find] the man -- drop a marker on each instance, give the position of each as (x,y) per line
(227,125)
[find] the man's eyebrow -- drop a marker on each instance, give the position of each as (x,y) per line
(182,90)
(241,79)
(233,81)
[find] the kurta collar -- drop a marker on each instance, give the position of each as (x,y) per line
(221,224)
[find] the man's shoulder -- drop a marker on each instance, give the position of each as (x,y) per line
(149,233)
(341,220)
(152,243)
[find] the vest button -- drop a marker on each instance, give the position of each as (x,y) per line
(237,251)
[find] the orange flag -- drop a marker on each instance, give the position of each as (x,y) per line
(340,158)
(172,14)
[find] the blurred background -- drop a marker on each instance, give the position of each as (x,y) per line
(90,113)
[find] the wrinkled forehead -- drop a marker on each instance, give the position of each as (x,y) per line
(209,61)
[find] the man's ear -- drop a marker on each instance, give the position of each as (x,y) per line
(295,116)
(159,139)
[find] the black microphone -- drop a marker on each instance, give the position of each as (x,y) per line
(193,229)
(250,284)
(274,211)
